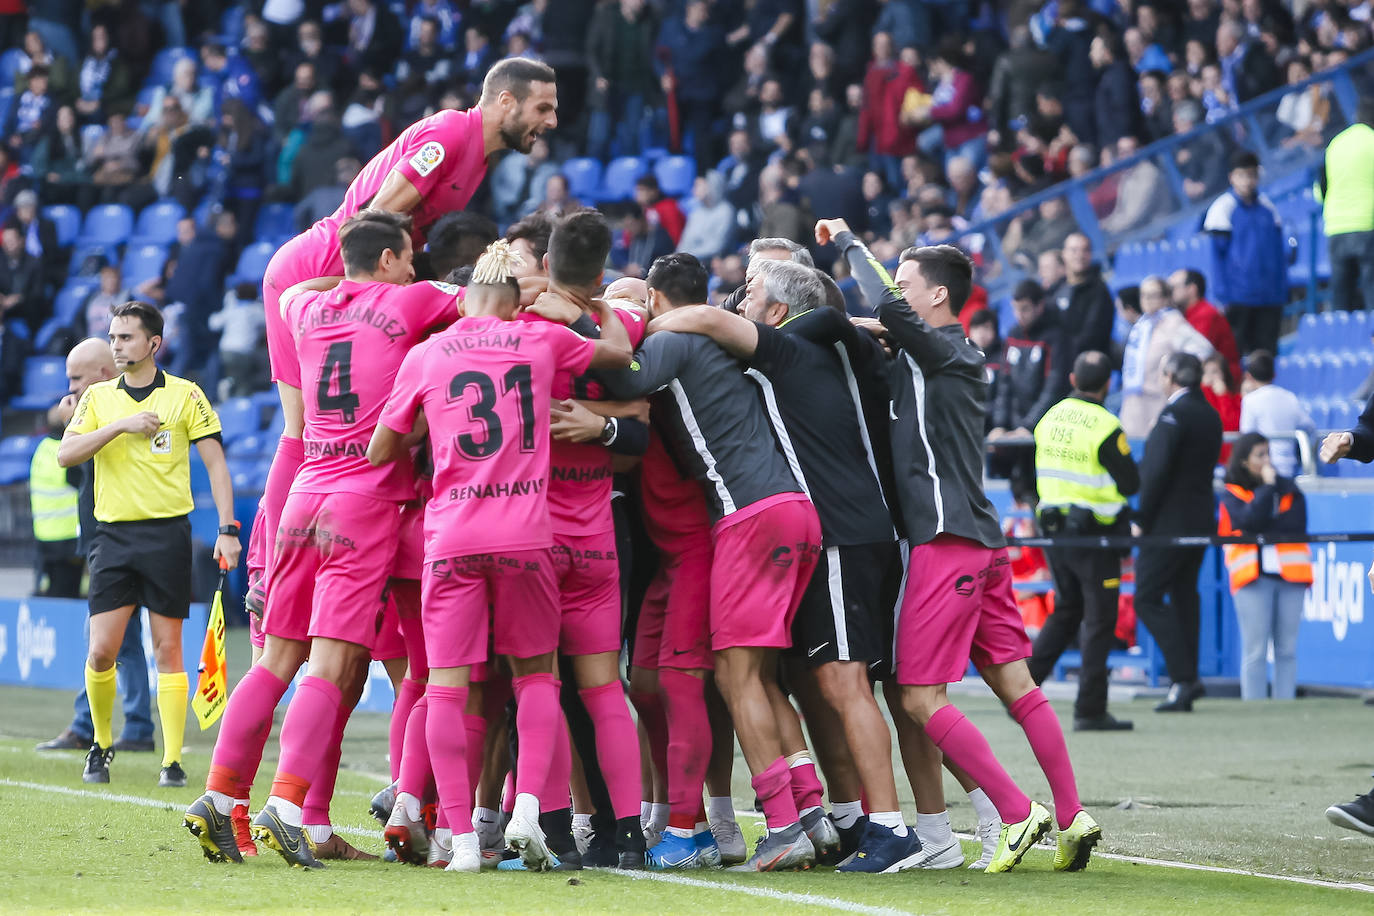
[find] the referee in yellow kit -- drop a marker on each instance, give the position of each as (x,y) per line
(139,428)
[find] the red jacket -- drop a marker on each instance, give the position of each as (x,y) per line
(1227,407)
(957,106)
(880,124)
(1208,321)
(670,217)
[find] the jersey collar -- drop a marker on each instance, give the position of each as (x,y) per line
(141,394)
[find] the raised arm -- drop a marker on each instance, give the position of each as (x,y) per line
(315,284)
(656,363)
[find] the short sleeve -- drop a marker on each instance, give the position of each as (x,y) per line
(85,419)
(201,420)
(431,305)
(406,393)
(635,325)
(571,351)
(438,141)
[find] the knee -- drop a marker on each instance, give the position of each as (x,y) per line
(100,658)
(841,683)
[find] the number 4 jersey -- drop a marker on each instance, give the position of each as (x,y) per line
(351,341)
(484,385)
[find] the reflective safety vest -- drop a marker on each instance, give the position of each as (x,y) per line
(52,500)
(1067,470)
(1243,560)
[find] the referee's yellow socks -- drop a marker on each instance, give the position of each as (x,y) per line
(100,694)
(171,709)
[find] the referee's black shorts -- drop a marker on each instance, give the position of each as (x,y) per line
(143,564)
(847,611)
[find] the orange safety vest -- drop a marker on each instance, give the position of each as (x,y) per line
(1243,560)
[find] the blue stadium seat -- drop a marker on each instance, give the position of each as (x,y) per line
(9,66)
(109,224)
(238,417)
(231,23)
(16,452)
(85,250)
(67,220)
(276,222)
(201,214)
(70,298)
(619,181)
(584,176)
(652,154)
(253,263)
(143,262)
(45,383)
(675,175)
(252,446)
(158,221)
(164,62)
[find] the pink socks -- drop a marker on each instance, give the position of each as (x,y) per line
(406,698)
(806,786)
(476,728)
(448,754)
(617,746)
(243,732)
(1033,713)
(415,773)
(774,789)
(538,720)
(961,740)
(689,744)
(309,723)
(316,807)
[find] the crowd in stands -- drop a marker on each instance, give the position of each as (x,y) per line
(909,118)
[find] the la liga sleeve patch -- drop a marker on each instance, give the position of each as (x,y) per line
(428,158)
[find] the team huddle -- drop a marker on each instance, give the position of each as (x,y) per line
(473,465)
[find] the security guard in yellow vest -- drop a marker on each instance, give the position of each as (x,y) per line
(53,495)
(1084,472)
(1345,189)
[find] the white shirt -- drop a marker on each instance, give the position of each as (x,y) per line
(1275,412)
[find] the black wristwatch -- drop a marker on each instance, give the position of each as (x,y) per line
(609,431)
(232,529)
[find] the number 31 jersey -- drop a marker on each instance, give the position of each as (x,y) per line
(351,341)
(485,385)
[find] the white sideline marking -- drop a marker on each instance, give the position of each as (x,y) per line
(831,902)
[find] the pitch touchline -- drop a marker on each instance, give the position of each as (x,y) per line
(831,902)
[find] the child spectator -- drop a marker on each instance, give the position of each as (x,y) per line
(241,326)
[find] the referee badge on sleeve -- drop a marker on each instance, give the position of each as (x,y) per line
(162,442)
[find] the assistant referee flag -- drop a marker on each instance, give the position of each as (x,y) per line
(212,688)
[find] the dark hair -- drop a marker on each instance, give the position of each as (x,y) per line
(1029,289)
(460,276)
(1130,299)
(947,266)
(147,315)
(368,233)
(680,277)
(578,246)
(459,238)
(648,180)
(514,75)
(1195,278)
(1260,365)
(982,317)
(534,228)
(1236,471)
(1092,371)
(1244,159)
(1225,366)
(38,70)
(1184,368)
(951,51)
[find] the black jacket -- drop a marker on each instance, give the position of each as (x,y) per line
(1086,312)
(1176,472)
(1035,372)
(1116,104)
(1363,447)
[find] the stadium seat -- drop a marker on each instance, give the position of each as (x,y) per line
(45,383)
(109,224)
(276,223)
(238,417)
(584,176)
(67,220)
(16,452)
(9,66)
(202,213)
(87,250)
(619,181)
(652,154)
(143,262)
(675,175)
(250,447)
(70,299)
(253,263)
(158,222)
(164,62)
(231,24)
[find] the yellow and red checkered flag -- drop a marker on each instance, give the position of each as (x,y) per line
(212,687)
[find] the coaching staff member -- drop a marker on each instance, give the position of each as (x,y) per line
(1084,472)
(139,428)
(1176,498)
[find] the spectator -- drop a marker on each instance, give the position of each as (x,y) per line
(326,198)
(244,154)
(21,280)
(1016,77)
(1269,583)
(1219,387)
(457,240)
(877,202)
(242,342)
(906,21)
(262,57)
(230,77)
(743,97)
(427,59)
(1304,112)
(774,124)
(59,165)
(982,330)
(1201,161)
(1036,374)
(1116,104)
(660,209)
(1085,303)
(1346,191)
(711,224)
(1050,225)
(1160,331)
(478,57)
(40,237)
(1200,24)
(694,45)
(1049,270)
(1142,194)
(375,36)
(292,104)
(324,142)
(818,132)
(1143,54)
(782,213)
(1070,41)
(881,132)
(56,68)
(197,101)
(197,283)
(844,149)
(94,316)
(640,242)
(821,75)
(166,145)
(439,12)
(1176,498)
(31,113)
(955,106)
(1217,103)
(1247,70)
(620,55)
(1188,288)
(558,200)
(114,159)
(1274,412)
(1249,258)
(843,28)
(518,178)
(740,169)
(104,84)
(311,49)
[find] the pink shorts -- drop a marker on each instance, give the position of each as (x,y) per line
(760,571)
(390,642)
(588,593)
(506,600)
(313,253)
(958,607)
(334,553)
(410,544)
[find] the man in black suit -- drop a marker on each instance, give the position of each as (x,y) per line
(1176,498)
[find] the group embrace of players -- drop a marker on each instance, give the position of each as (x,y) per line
(442,500)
